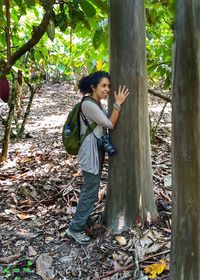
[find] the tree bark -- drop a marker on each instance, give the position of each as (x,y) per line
(130,187)
(28,108)
(6,139)
(185,250)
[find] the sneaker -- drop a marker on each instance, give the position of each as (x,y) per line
(80,237)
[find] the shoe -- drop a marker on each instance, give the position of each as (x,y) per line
(80,237)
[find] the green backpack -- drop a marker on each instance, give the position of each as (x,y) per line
(71,137)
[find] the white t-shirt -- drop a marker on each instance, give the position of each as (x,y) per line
(88,153)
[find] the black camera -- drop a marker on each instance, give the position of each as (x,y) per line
(105,143)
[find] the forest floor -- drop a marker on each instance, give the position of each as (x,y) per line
(39,187)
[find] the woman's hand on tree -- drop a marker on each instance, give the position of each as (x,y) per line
(121,95)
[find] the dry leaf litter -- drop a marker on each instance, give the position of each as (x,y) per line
(39,189)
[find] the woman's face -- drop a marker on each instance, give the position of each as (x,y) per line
(102,90)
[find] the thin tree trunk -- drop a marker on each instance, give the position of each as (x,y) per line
(28,108)
(6,139)
(130,188)
(185,251)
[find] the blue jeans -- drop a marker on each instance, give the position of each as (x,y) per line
(88,197)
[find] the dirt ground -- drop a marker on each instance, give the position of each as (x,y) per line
(39,188)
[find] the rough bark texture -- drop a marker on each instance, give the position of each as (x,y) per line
(130,190)
(185,253)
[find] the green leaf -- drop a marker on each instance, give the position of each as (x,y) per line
(27,269)
(63,26)
(1,10)
(87,8)
(6,270)
(30,3)
(19,4)
(60,18)
(103,6)
(83,19)
(86,23)
(44,53)
(16,270)
(98,38)
(29,263)
(76,3)
(3,38)
(36,11)
(61,67)
(167,83)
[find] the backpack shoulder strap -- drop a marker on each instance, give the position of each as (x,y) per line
(90,127)
(92,100)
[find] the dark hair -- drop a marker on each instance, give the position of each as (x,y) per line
(86,83)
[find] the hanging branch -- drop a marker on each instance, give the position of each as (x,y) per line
(153,92)
(38,32)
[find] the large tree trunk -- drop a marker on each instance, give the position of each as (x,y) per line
(130,188)
(185,253)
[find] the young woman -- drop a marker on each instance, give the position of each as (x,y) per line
(91,152)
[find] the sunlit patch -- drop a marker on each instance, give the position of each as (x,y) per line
(148,217)
(121,222)
(140,202)
(50,122)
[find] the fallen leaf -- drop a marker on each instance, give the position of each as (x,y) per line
(10,211)
(27,159)
(76,174)
(48,239)
(31,251)
(44,267)
(24,216)
(154,248)
(10,259)
(121,240)
(155,269)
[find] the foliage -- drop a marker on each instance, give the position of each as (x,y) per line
(81,38)
(19,270)
(160,17)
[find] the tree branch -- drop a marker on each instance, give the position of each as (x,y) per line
(153,92)
(37,34)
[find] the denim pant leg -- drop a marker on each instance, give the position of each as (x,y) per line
(88,197)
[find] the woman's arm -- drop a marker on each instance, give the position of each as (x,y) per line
(92,112)
(95,114)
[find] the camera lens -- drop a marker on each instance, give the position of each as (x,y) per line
(109,149)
